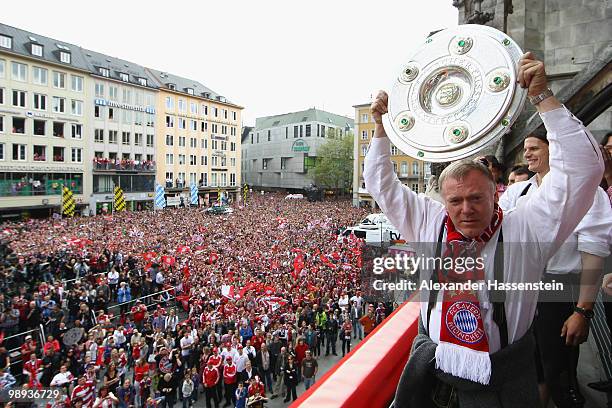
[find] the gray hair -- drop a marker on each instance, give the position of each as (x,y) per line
(459,169)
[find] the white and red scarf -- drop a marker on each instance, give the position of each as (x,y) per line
(463,349)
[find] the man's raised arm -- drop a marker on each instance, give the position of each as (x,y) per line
(403,207)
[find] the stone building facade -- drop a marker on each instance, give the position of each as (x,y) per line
(574,39)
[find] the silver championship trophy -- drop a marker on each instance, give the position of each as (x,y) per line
(456,94)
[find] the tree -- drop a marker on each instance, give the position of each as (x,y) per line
(334,164)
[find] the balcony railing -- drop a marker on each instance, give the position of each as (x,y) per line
(100,164)
(372,370)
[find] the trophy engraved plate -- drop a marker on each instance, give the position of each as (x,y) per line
(455,94)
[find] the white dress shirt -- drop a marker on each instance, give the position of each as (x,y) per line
(544,222)
(241,360)
(593,234)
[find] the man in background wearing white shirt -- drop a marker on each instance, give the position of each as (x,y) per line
(186,348)
(579,265)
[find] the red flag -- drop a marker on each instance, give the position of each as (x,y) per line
(186,272)
(149,256)
(326,261)
(227,291)
(274,265)
(269,290)
(182,249)
(298,265)
(168,260)
(336,255)
(212,258)
(241,293)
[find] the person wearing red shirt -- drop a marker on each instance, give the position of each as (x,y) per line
(51,343)
(368,322)
(300,354)
(85,391)
(136,352)
(28,347)
(33,370)
(300,350)
(230,380)
(140,370)
(257,340)
(217,361)
(138,312)
(210,379)
(256,386)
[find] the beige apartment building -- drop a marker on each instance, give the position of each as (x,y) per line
(410,171)
(197,139)
(43,122)
(122,135)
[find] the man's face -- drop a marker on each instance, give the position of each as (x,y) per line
(608,144)
(511,178)
(469,202)
(536,153)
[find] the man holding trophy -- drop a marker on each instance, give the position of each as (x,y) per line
(476,348)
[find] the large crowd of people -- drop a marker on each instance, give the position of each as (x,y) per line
(155,308)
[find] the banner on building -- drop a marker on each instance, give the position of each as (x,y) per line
(68,202)
(119,202)
(160,200)
(194,194)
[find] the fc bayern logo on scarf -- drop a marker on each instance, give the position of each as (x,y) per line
(463,322)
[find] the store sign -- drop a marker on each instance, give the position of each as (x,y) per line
(39,115)
(218,137)
(113,104)
(218,153)
(173,201)
(300,146)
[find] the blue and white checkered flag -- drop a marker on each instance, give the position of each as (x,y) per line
(194,194)
(160,200)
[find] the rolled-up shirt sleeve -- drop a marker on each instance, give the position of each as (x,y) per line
(407,211)
(567,191)
(595,229)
